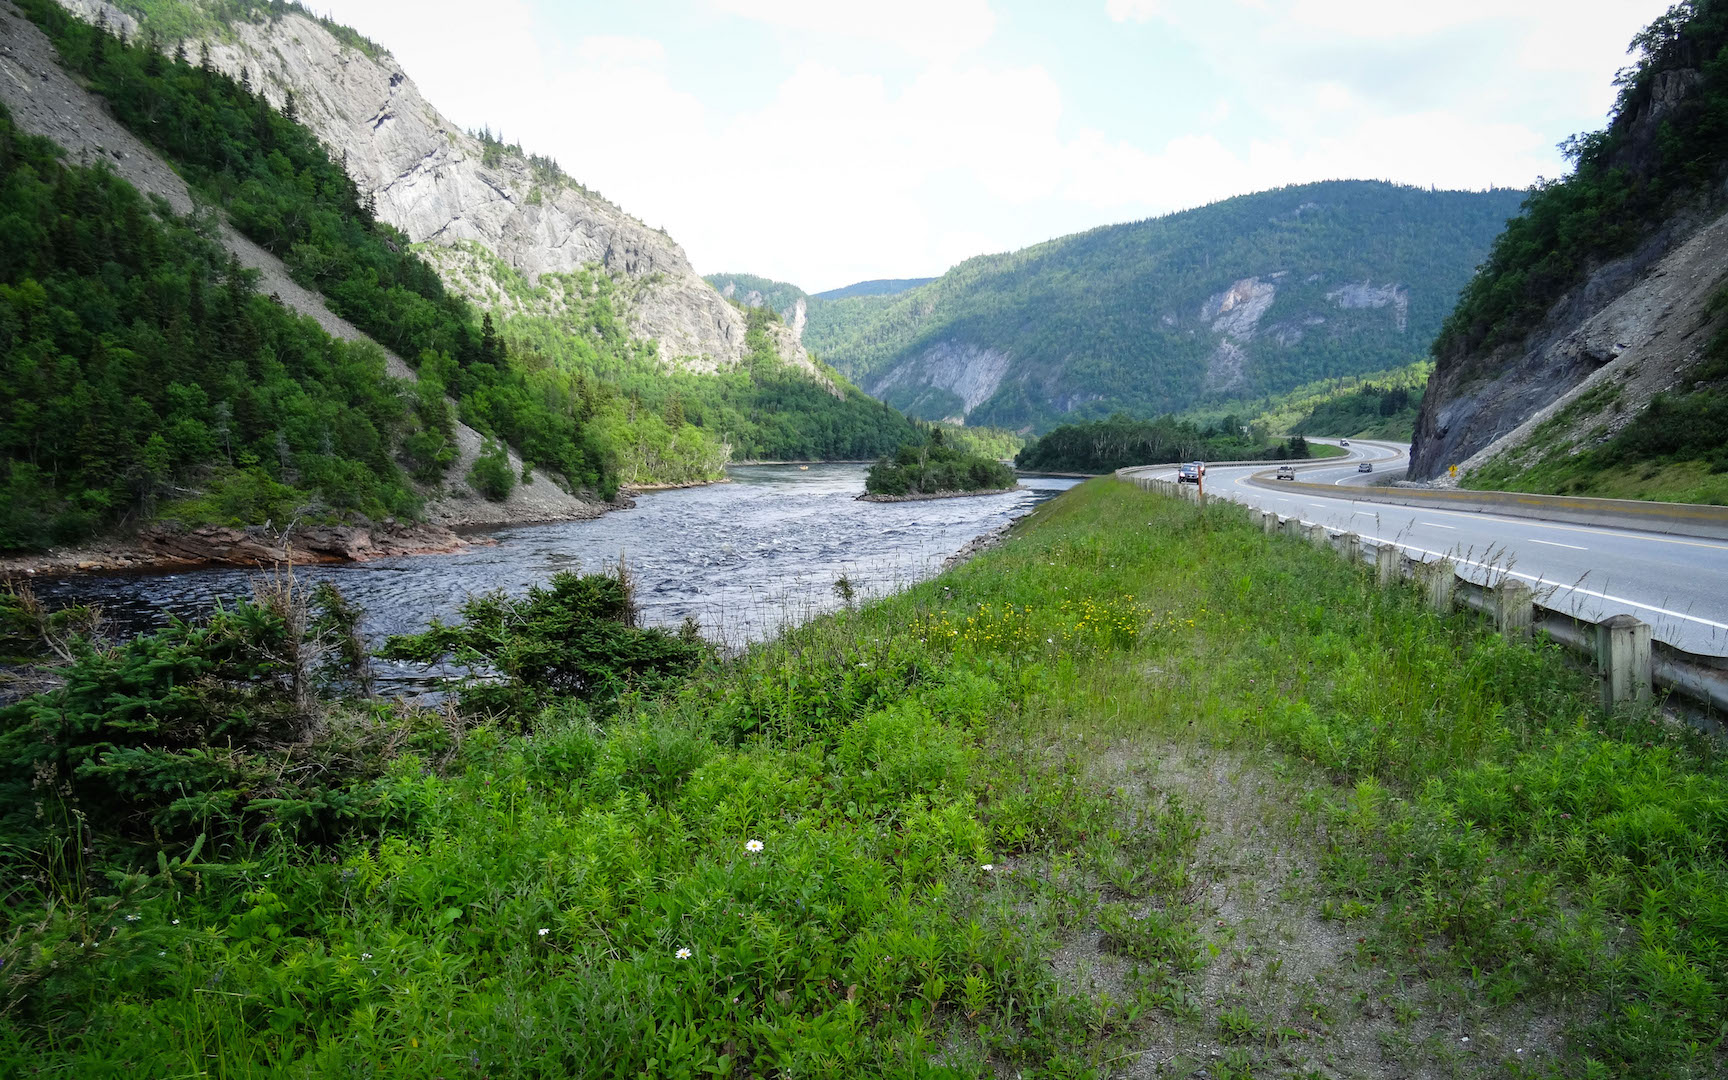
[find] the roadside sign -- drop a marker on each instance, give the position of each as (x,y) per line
(1452,471)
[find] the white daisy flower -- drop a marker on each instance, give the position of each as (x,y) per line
(682,954)
(752,846)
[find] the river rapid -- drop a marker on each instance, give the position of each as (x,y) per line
(742,558)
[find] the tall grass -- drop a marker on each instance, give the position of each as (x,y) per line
(922,776)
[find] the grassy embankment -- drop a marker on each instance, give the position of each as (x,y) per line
(1143,792)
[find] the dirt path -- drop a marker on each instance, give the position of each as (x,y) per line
(1289,985)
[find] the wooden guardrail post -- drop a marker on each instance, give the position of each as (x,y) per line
(1386,564)
(1442,580)
(1514,608)
(1623,654)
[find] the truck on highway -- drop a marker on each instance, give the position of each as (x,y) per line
(1286,472)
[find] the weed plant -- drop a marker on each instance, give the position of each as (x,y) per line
(857,849)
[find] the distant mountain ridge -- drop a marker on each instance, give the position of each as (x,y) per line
(874,287)
(1246,297)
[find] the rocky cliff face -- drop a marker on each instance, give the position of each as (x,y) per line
(1573,329)
(1635,328)
(441,186)
(45,101)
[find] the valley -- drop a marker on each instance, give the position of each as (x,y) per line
(443,634)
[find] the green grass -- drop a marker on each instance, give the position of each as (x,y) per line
(994,841)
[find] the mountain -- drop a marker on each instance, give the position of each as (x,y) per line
(1589,354)
(277,397)
(1243,298)
(876,287)
(439,184)
(623,366)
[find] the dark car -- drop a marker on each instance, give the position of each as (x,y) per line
(1286,472)
(1366,466)
(1191,472)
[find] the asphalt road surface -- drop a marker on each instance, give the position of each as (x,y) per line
(1677,584)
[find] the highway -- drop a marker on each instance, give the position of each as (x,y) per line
(1677,584)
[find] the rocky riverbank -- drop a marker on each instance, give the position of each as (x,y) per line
(167,546)
(927,496)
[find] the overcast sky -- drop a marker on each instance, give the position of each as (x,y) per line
(828,142)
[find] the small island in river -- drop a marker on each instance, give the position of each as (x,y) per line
(935,470)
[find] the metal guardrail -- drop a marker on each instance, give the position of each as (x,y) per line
(1681,519)
(1632,666)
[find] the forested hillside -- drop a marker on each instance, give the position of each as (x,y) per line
(142,374)
(579,396)
(1554,340)
(1247,297)
(874,287)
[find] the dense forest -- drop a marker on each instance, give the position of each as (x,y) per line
(933,466)
(775,295)
(140,374)
(1377,404)
(576,396)
(279,186)
(1112,319)
(1116,442)
(874,287)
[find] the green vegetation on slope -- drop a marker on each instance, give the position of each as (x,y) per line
(881,844)
(933,466)
(279,186)
(138,366)
(1379,404)
(1119,441)
(874,287)
(180,20)
(775,295)
(1626,180)
(1674,450)
(1111,320)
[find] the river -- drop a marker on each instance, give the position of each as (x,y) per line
(741,558)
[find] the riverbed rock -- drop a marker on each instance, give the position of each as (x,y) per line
(259,546)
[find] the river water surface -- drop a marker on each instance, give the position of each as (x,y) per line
(741,558)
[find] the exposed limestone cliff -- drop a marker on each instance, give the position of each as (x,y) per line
(960,369)
(45,101)
(441,186)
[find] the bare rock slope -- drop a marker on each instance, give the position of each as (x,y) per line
(1635,328)
(45,101)
(441,186)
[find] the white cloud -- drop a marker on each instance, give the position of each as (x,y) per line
(928,29)
(1133,10)
(847,171)
(615,51)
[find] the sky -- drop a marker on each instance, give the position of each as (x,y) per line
(824,142)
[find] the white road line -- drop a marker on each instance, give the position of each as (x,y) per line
(1552,543)
(1320,505)
(1363,513)
(1437,525)
(1536,580)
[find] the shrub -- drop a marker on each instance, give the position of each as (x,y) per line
(491,474)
